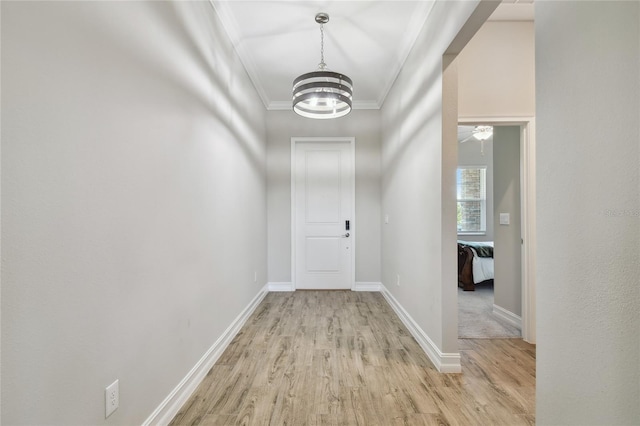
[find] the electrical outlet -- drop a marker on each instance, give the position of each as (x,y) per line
(111,398)
(398,280)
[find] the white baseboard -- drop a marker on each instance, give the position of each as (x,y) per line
(367,286)
(281,287)
(444,362)
(167,410)
(508,316)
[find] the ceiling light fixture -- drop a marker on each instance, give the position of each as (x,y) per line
(322,94)
(482,133)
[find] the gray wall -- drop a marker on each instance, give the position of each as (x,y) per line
(133,203)
(506,192)
(418,192)
(364,125)
(588,213)
(469,155)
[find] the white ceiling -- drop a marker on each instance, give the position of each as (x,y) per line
(366,40)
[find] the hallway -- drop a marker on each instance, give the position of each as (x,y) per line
(147,211)
(342,357)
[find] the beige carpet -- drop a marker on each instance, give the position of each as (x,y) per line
(476,319)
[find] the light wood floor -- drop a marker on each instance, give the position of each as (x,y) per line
(344,358)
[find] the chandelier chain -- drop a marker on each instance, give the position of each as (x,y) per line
(322,65)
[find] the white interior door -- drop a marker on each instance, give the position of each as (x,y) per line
(323,228)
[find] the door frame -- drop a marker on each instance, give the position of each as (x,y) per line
(353,225)
(527,212)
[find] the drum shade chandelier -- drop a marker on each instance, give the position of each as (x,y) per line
(322,94)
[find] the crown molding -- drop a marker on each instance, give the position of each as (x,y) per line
(231,28)
(410,38)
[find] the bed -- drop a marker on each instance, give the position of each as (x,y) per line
(475,264)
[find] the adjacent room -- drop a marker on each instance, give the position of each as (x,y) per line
(488,181)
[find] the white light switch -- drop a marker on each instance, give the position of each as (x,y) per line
(386,218)
(504,218)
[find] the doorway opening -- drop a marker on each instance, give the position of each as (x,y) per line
(489,231)
(526,129)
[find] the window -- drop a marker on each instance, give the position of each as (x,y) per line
(472,200)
